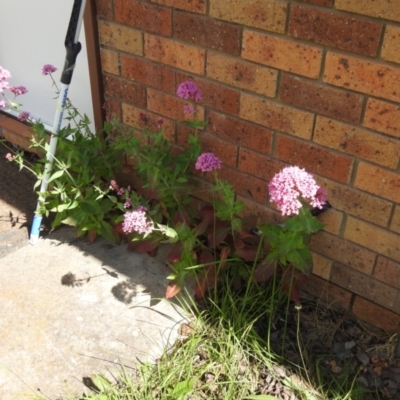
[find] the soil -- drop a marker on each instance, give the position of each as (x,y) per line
(344,350)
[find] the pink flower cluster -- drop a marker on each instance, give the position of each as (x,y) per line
(292,183)
(136,221)
(23,116)
(18,90)
(207,162)
(188,90)
(48,69)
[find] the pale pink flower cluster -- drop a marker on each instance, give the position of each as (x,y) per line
(136,221)
(16,90)
(207,162)
(4,77)
(292,184)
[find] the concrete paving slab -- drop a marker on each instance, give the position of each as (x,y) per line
(52,335)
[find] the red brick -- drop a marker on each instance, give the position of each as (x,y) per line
(131,116)
(387,271)
(373,238)
(378,181)
(363,76)
(328,293)
(347,253)
(240,132)
(109,61)
(259,165)
(378,9)
(395,224)
(347,33)
(314,158)
(275,116)
(244,184)
(207,32)
(16,132)
(104,9)
(148,73)
(121,37)
(326,3)
(333,220)
(383,117)
(225,151)
(391,44)
(242,74)
(321,266)
(142,16)
(357,203)
(321,99)
(176,54)
(113,108)
(215,96)
(283,54)
(125,90)
(269,15)
(376,315)
(364,285)
(196,6)
(169,106)
(358,142)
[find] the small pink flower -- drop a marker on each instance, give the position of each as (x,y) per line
(23,116)
(292,184)
(144,118)
(48,69)
(9,156)
(18,90)
(113,185)
(128,203)
(188,90)
(2,103)
(160,122)
(121,191)
(207,162)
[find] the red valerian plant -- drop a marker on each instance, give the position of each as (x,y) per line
(159,205)
(208,242)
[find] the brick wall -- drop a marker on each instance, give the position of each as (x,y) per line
(315,83)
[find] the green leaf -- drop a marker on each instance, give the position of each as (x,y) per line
(294,224)
(107,231)
(236,224)
(260,397)
(56,175)
(101,382)
(69,221)
(167,231)
(182,389)
(272,233)
(90,206)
